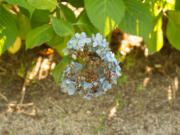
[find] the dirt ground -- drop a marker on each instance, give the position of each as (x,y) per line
(147,101)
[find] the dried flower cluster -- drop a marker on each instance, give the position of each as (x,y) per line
(94,68)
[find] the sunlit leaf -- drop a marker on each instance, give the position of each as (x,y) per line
(16,46)
(156,36)
(105,14)
(43,4)
(39,36)
(8,30)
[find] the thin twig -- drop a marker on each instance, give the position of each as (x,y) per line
(57,106)
(23,92)
(3,97)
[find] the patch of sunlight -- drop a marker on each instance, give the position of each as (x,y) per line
(22,109)
(170,95)
(137,27)
(114,109)
(170,5)
(146,53)
(42,68)
(76,11)
(2,42)
(145,82)
(176,84)
(109,25)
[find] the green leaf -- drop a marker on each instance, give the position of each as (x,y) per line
(68,14)
(177,4)
(40,17)
(59,43)
(22,3)
(174,16)
(62,28)
(59,69)
(39,36)
(105,14)
(173,29)
(157,36)
(84,24)
(138,19)
(55,41)
(24,25)
(76,3)
(8,30)
(43,4)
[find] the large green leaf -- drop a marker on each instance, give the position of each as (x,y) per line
(43,4)
(105,14)
(138,19)
(40,17)
(68,14)
(62,28)
(8,30)
(85,25)
(173,29)
(22,3)
(174,16)
(59,69)
(24,25)
(39,36)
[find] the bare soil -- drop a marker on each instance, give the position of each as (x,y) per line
(147,101)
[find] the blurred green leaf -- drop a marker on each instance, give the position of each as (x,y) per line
(22,3)
(137,20)
(39,36)
(43,4)
(59,69)
(84,24)
(40,17)
(68,14)
(177,4)
(174,16)
(55,41)
(24,25)
(173,29)
(105,14)
(76,3)
(8,30)
(59,43)
(62,28)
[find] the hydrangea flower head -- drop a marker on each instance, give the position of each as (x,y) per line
(94,69)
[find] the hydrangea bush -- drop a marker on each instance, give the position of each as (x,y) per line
(94,67)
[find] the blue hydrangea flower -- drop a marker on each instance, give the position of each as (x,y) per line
(96,78)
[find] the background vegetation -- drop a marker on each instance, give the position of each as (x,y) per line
(53,23)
